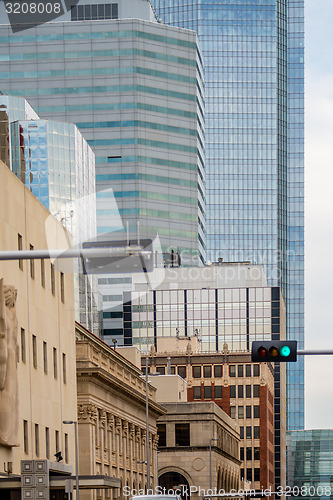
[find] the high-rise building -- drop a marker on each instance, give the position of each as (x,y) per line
(134,88)
(310,463)
(254,75)
(58,166)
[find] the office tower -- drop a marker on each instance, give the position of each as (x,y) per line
(134,88)
(254,76)
(310,463)
(55,162)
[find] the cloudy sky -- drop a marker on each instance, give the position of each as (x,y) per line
(319,210)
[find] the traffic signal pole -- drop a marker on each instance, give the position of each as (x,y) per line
(311,352)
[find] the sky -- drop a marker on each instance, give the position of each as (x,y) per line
(319,211)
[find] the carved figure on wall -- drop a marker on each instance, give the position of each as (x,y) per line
(9,356)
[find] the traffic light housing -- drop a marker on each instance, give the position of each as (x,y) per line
(274,350)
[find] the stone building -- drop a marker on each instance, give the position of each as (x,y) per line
(198,448)
(112,417)
(37,347)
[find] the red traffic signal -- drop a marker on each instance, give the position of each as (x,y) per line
(274,350)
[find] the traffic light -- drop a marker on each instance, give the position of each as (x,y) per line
(274,350)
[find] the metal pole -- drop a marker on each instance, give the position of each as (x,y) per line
(72,253)
(210,461)
(147,428)
(69,422)
(210,464)
(76,462)
(322,352)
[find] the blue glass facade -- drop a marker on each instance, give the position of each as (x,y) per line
(254,73)
(310,463)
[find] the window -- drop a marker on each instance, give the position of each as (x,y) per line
(256,413)
(256,453)
(161,431)
(240,390)
(232,370)
(241,412)
(218,371)
(20,247)
(248,391)
(249,474)
(248,411)
(55,365)
(256,474)
(182,371)
(160,370)
(196,371)
(240,370)
(197,392)
(248,370)
(34,351)
(23,351)
(52,279)
(42,272)
(64,368)
(241,454)
(208,392)
(45,356)
(207,371)
(256,432)
(256,370)
(182,434)
(256,391)
(249,453)
(25,436)
(47,442)
(233,411)
(57,441)
(241,432)
(32,265)
(37,440)
(173,370)
(66,448)
(62,287)
(248,432)
(93,12)
(218,391)
(232,391)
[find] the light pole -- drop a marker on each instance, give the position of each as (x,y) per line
(76,456)
(210,461)
(147,427)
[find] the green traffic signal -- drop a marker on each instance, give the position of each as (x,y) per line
(285,351)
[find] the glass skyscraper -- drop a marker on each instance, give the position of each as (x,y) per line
(310,463)
(134,88)
(254,77)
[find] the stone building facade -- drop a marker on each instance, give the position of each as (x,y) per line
(112,417)
(37,348)
(198,448)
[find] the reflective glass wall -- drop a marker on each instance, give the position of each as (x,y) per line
(254,143)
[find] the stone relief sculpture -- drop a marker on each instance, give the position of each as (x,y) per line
(9,415)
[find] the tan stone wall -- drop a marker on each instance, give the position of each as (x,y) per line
(112,417)
(43,399)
